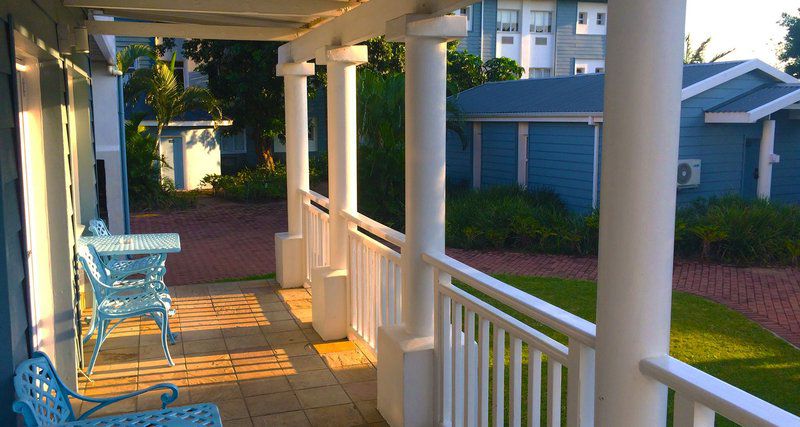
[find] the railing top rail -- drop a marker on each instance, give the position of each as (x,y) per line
(316,198)
(721,397)
(538,340)
(376,245)
(382,231)
(527,304)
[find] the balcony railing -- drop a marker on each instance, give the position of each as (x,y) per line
(475,341)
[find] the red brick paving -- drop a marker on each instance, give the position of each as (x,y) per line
(226,240)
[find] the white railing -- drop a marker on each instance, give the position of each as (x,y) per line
(374,278)
(469,331)
(700,396)
(315,231)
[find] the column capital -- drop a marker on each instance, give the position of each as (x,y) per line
(295,69)
(446,27)
(350,54)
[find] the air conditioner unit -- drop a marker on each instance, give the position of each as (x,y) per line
(689,173)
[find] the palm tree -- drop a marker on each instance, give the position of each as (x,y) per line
(161,89)
(696,55)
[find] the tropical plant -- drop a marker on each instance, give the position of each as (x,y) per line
(162,91)
(502,69)
(708,234)
(697,55)
(789,49)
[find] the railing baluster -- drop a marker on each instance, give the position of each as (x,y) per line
(499,375)
(470,371)
(458,366)
(691,414)
(534,387)
(515,383)
(446,361)
(483,373)
(553,393)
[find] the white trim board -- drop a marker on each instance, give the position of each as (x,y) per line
(755,114)
(732,73)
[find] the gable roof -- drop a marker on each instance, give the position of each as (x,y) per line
(582,95)
(755,104)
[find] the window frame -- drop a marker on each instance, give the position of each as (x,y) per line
(466,11)
(601,19)
(243,150)
(537,72)
(513,27)
(549,26)
(584,17)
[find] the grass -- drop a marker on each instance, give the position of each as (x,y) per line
(246,278)
(704,334)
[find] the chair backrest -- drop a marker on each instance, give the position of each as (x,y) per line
(95,270)
(98,227)
(42,398)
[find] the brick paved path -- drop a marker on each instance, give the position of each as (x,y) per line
(226,240)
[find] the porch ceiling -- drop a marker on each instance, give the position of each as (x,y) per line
(313,23)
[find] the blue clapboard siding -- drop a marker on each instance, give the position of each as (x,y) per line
(489,17)
(472,42)
(560,157)
(459,157)
(498,154)
(13,318)
(570,45)
(786,174)
(720,147)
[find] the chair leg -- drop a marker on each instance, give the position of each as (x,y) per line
(164,334)
(101,332)
(92,326)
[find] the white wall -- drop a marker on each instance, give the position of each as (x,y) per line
(590,65)
(523,47)
(107,144)
(591,27)
(201,155)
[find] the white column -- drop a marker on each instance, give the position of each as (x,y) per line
(525,37)
(595,163)
(406,380)
(329,284)
(765,160)
(289,250)
(522,154)
(637,216)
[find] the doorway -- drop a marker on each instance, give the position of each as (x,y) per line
(172,152)
(750,168)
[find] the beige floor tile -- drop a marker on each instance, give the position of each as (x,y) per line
(302,364)
(120,340)
(369,410)
(259,386)
(211,376)
(152,400)
(121,407)
(273,403)
(247,342)
(156,352)
(334,346)
(367,390)
(232,409)
(196,334)
(277,316)
(335,416)
(290,337)
(214,392)
(286,419)
(244,422)
(345,358)
(299,304)
(311,379)
(322,396)
(241,330)
(204,346)
(355,373)
(266,307)
(283,351)
(277,326)
(292,294)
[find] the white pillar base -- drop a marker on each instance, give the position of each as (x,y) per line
(329,302)
(289,268)
(406,378)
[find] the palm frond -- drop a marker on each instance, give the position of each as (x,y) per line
(127,57)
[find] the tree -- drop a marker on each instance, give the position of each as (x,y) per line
(161,90)
(790,46)
(464,70)
(241,75)
(502,69)
(696,55)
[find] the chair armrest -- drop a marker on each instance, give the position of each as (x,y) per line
(166,398)
(136,266)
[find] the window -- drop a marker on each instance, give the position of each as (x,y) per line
(233,144)
(280,140)
(538,73)
(599,70)
(580,70)
(601,18)
(541,21)
(582,17)
(507,20)
(466,11)
(179,73)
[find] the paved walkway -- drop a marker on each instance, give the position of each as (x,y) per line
(229,240)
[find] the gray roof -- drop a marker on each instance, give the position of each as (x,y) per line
(572,94)
(756,98)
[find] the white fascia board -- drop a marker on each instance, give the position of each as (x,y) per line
(261,7)
(732,73)
(775,105)
(106,42)
(189,123)
(190,31)
(362,23)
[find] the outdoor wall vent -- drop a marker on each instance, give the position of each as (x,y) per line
(541,41)
(507,40)
(689,173)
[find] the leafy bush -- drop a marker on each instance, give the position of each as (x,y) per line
(726,229)
(257,184)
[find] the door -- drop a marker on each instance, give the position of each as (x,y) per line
(172,152)
(750,168)
(33,180)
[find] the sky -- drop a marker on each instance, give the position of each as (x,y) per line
(751,27)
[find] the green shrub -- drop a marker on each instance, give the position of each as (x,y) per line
(258,184)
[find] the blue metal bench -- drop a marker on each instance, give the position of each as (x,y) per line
(43,400)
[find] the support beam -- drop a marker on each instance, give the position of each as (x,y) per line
(637,217)
(406,386)
(188,31)
(243,7)
(329,284)
(289,248)
(362,23)
(211,19)
(766,158)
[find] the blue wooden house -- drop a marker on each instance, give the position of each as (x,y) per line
(740,134)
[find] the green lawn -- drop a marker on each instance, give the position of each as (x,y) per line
(705,334)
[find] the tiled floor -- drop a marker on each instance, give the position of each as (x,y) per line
(249,348)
